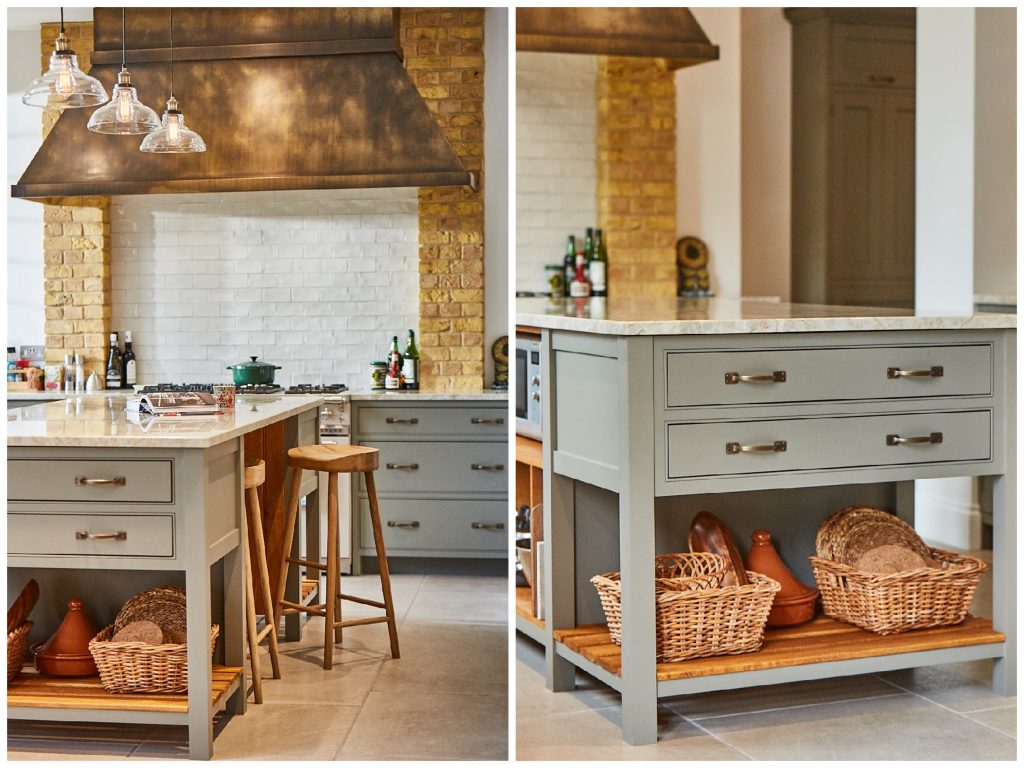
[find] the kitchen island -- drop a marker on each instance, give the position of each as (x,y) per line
(101,507)
(769,415)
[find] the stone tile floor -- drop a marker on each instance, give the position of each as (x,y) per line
(445,699)
(936,713)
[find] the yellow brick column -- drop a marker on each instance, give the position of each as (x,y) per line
(444,55)
(636,174)
(76,247)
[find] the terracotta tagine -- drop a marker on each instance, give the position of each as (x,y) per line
(66,653)
(794,603)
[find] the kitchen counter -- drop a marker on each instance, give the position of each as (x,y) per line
(422,394)
(101,421)
(767,415)
(671,315)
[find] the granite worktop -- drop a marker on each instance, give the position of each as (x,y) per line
(677,316)
(100,421)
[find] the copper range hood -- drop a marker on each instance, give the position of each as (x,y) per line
(669,33)
(285,98)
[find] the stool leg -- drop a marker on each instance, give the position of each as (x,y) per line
(382,562)
(250,630)
(331,598)
(292,511)
(256,526)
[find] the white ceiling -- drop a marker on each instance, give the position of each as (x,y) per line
(31,18)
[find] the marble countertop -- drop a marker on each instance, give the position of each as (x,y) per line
(672,316)
(99,421)
(358,394)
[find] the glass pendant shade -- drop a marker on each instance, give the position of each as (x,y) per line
(65,86)
(124,114)
(173,136)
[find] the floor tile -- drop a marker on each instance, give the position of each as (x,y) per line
(36,740)
(436,606)
(963,686)
(312,731)
(1003,719)
(429,726)
(303,678)
(459,583)
(448,658)
(903,727)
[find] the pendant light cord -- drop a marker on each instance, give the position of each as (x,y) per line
(122,40)
(170,30)
(62,19)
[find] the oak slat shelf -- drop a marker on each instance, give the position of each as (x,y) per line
(528,451)
(309,590)
(822,640)
(32,690)
(524,603)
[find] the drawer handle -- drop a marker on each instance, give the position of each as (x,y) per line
(779,446)
(393,420)
(881,78)
(934,372)
(112,535)
(401,466)
(396,524)
(488,467)
(488,526)
(478,420)
(775,377)
(80,480)
(933,438)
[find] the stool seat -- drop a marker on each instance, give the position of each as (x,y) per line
(255,474)
(334,458)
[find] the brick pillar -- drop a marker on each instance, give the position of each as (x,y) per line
(636,174)
(76,247)
(444,55)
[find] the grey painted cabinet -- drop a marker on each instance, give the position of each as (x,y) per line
(853,156)
(442,481)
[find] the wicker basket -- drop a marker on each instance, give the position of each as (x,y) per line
(887,603)
(17,648)
(141,667)
(694,622)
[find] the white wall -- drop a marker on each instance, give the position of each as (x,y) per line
(496,160)
(556,158)
(766,88)
(995,158)
(314,281)
(708,149)
(25,316)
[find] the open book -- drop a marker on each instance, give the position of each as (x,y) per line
(174,404)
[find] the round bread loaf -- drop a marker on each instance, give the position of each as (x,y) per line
(140,632)
(890,558)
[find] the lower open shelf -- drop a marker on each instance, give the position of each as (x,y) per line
(524,606)
(34,691)
(821,640)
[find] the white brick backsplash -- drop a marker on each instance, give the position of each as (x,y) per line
(556,158)
(317,282)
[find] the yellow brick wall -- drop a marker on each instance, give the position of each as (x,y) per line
(636,174)
(444,55)
(76,247)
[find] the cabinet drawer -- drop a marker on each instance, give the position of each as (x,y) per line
(804,375)
(437,525)
(110,481)
(427,423)
(877,57)
(701,450)
(441,468)
(90,535)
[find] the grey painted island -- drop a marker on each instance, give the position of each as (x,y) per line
(769,415)
(101,507)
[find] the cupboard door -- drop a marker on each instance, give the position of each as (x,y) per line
(898,266)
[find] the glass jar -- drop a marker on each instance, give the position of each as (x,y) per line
(378,372)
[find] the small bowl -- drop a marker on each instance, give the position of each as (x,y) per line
(789,612)
(64,665)
(525,555)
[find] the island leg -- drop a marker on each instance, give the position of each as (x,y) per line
(559,574)
(233,631)
(636,544)
(200,665)
(1004,533)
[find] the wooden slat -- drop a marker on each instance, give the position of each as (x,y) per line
(34,690)
(821,640)
(528,451)
(524,603)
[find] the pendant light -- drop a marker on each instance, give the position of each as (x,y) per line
(173,136)
(64,86)
(124,114)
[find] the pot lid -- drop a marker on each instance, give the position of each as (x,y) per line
(252,362)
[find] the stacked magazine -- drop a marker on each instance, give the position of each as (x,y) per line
(173,404)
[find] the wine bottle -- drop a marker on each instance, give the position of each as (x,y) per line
(588,250)
(130,367)
(580,287)
(569,265)
(393,378)
(599,267)
(411,362)
(115,364)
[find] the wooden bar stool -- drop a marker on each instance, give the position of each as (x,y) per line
(254,477)
(333,459)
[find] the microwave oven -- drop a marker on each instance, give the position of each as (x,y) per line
(528,383)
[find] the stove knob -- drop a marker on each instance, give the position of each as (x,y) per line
(535,381)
